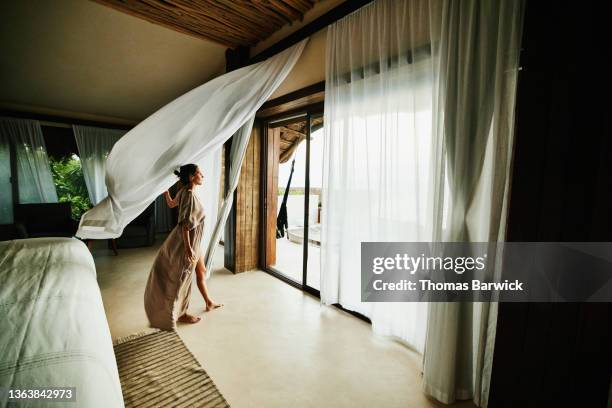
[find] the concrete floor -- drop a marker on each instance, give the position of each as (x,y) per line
(271,345)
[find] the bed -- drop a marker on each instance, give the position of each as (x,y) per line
(53,329)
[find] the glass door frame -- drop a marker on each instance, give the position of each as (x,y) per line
(307,114)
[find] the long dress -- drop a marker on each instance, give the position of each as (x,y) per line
(169,286)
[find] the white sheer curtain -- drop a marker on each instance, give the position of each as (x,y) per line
(210,166)
(94,144)
(419,117)
(240,142)
(35,182)
(477,53)
(382,163)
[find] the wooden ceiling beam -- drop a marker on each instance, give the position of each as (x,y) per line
(166,9)
(279,19)
(219,12)
(158,15)
(248,31)
(253,10)
(231,23)
(300,5)
(120,6)
(289,12)
(243,10)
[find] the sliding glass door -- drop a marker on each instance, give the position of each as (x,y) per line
(292,205)
(315,185)
(290,200)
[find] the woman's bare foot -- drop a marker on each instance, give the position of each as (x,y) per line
(212,306)
(187,318)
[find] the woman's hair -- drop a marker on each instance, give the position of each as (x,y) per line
(184,172)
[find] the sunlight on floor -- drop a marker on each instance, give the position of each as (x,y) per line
(271,345)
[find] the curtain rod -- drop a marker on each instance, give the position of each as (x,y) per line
(335,14)
(55,124)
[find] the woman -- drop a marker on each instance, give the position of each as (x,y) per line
(169,286)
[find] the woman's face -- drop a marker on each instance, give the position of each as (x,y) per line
(197,178)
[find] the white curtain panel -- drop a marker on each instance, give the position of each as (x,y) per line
(95,144)
(210,166)
(382,161)
(240,142)
(140,166)
(478,55)
(35,182)
(419,118)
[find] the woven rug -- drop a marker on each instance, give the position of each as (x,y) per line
(157,370)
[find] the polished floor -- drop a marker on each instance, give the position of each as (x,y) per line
(271,345)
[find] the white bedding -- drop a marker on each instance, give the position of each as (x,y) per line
(53,329)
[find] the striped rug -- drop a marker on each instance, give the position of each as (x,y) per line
(157,370)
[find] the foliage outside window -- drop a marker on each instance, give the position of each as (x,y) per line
(70,184)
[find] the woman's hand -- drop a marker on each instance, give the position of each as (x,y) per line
(189,255)
(171,203)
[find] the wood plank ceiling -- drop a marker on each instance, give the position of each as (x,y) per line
(231,23)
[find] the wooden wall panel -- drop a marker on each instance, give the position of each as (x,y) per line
(247,206)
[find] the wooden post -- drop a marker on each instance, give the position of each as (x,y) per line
(247,206)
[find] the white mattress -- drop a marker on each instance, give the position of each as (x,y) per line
(53,330)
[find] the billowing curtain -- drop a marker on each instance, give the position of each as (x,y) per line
(188,130)
(35,182)
(240,142)
(209,192)
(94,145)
(419,117)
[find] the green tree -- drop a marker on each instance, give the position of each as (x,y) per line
(70,184)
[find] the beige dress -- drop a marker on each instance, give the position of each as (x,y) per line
(169,286)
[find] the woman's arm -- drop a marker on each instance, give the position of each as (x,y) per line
(171,203)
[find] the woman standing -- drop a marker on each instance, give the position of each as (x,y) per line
(169,286)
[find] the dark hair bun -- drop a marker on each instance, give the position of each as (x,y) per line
(185,172)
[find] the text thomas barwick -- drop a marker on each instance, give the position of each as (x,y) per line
(426,284)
